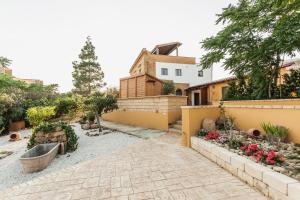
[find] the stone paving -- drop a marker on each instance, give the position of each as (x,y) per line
(151,169)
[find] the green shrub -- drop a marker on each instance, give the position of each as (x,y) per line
(275,133)
(202,133)
(17,114)
(235,143)
(38,115)
(72,138)
(65,106)
(168,88)
(91,116)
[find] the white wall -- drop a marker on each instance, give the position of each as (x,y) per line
(189,73)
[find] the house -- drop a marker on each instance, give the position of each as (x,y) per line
(8,71)
(208,93)
(5,70)
(152,68)
(213,92)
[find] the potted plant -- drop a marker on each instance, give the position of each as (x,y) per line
(17,116)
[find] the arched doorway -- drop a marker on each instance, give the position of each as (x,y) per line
(178,92)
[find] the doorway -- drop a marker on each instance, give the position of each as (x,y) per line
(196,98)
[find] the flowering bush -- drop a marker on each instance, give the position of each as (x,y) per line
(268,157)
(212,135)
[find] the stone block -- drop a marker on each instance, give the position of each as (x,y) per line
(220,162)
(239,162)
(277,195)
(294,191)
(231,169)
(256,170)
(246,177)
(261,186)
(278,181)
(225,155)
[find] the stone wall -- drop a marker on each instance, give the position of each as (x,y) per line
(57,137)
(272,184)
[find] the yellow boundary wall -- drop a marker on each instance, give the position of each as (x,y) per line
(246,117)
(155,112)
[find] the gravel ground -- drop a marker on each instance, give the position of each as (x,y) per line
(89,147)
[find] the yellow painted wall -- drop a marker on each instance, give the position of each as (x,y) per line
(265,102)
(247,118)
(144,119)
(215,92)
(192,117)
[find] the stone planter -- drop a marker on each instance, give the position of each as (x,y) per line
(39,157)
(270,183)
(16,126)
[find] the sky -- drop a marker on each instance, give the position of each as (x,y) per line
(43,37)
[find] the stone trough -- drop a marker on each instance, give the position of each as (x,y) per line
(39,157)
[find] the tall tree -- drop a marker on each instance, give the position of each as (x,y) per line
(87,74)
(257,36)
(5,62)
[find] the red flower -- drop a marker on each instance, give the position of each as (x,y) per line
(212,135)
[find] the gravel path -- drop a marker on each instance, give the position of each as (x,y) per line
(89,147)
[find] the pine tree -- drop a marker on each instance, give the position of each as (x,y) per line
(87,74)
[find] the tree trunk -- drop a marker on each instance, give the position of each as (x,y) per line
(98,121)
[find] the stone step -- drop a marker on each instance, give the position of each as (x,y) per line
(179,122)
(173,130)
(177,126)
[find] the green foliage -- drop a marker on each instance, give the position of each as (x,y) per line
(5,62)
(38,115)
(275,133)
(91,116)
(112,91)
(72,138)
(45,127)
(31,141)
(291,85)
(17,113)
(257,36)
(202,133)
(87,75)
(168,88)
(235,143)
(100,104)
(65,106)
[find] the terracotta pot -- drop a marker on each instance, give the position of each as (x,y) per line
(15,136)
(253,132)
(16,126)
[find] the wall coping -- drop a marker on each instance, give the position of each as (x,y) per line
(293,107)
(197,107)
(262,100)
(151,97)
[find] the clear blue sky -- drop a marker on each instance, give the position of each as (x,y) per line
(44,37)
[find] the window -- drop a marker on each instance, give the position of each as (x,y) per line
(178,72)
(200,73)
(164,71)
(224,92)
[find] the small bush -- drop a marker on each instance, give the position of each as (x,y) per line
(235,143)
(168,88)
(91,116)
(38,115)
(202,133)
(275,133)
(65,106)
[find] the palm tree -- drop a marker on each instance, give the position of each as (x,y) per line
(5,62)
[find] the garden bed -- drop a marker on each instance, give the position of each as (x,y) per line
(272,184)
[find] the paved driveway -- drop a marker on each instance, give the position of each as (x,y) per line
(151,169)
